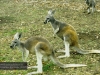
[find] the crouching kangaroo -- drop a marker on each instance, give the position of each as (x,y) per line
(90,4)
(68,34)
(42,48)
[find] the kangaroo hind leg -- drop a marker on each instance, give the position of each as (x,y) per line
(67,52)
(39,61)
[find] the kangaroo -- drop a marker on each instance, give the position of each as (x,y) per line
(90,4)
(42,48)
(68,34)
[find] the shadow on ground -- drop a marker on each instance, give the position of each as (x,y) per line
(7,19)
(92,36)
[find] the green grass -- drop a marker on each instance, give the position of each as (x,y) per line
(28,18)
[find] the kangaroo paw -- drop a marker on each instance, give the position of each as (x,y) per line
(31,73)
(61,51)
(63,56)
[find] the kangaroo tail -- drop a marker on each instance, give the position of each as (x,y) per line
(86,51)
(58,63)
(95,51)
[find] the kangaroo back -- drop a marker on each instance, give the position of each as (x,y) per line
(33,41)
(90,3)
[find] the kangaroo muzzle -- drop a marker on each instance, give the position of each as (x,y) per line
(45,22)
(11,46)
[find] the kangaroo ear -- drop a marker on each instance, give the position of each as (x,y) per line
(17,35)
(20,34)
(51,12)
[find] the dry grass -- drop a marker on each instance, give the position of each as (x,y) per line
(17,16)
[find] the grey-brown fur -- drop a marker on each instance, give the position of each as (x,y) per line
(41,48)
(68,34)
(91,5)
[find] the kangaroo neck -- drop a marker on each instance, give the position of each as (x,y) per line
(21,46)
(54,23)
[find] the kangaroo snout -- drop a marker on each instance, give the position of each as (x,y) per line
(45,22)
(11,46)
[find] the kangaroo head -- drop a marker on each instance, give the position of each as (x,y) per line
(16,40)
(49,17)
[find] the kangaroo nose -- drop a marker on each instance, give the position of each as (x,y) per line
(11,46)
(44,22)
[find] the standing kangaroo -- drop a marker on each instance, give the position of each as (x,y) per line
(68,34)
(42,48)
(91,4)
